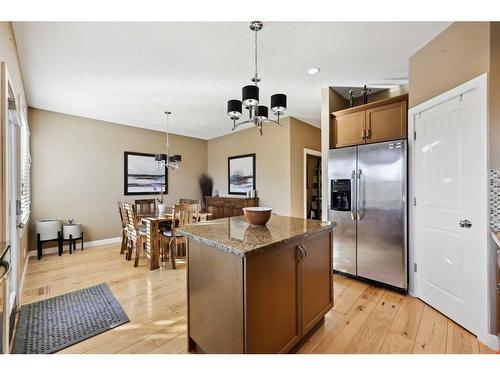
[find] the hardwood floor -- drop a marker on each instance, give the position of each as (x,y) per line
(365,319)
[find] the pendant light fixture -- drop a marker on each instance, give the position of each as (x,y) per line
(258,114)
(165,160)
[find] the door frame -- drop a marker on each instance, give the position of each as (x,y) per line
(13,160)
(307,151)
(480,84)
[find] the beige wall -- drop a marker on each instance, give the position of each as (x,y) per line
(457,55)
(494,96)
(336,102)
(77,169)
(272,162)
(302,135)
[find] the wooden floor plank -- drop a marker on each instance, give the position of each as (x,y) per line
(373,293)
(365,318)
(349,296)
(408,318)
(396,344)
(431,335)
(338,339)
(483,349)
(370,337)
(460,341)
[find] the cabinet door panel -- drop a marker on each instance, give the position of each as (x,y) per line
(272,322)
(316,279)
(215,299)
(386,123)
(348,129)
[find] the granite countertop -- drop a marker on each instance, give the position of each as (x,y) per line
(236,236)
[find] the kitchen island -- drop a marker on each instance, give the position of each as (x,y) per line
(256,289)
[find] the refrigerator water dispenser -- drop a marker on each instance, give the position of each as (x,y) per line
(341,195)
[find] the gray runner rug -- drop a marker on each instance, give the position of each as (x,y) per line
(53,324)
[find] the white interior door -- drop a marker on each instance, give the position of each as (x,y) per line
(13,162)
(451,205)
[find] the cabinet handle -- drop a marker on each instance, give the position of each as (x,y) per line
(301,253)
(363,134)
(368,134)
(298,255)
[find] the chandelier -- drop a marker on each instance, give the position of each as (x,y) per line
(165,160)
(258,114)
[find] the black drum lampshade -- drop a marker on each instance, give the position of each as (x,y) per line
(262,112)
(175,158)
(278,104)
(234,109)
(250,95)
(160,157)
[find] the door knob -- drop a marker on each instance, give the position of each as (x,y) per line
(465,223)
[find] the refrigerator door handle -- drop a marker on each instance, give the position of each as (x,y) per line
(353,202)
(359,209)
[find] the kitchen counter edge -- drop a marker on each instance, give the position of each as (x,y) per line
(231,250)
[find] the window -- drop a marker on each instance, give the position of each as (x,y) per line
(25,169)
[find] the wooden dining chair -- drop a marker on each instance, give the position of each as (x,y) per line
(145,207)
(182,214)
(201,216)
(136,233)
(124,232)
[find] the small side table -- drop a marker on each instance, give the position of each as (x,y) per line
(72,233)
(40,242)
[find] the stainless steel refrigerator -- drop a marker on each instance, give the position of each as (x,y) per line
(367,200)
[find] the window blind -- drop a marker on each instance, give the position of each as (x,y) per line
(25,175)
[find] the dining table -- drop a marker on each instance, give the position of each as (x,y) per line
(154,222)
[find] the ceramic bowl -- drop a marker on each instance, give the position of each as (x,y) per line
(257,215)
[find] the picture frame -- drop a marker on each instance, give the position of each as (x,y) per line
(141,175)
(240,174)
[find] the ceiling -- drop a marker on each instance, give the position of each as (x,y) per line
(131,72)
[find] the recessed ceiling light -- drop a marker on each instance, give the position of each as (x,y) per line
(312,71)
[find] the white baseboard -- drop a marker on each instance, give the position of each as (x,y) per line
(494,342)
(24,275)
(20,290)
(54,250)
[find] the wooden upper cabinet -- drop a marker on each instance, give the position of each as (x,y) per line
(386,122)
(379,121)
(348,130)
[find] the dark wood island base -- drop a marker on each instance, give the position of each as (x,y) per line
(257,289)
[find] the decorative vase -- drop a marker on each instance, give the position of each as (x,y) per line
(161,208)
(75,230)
